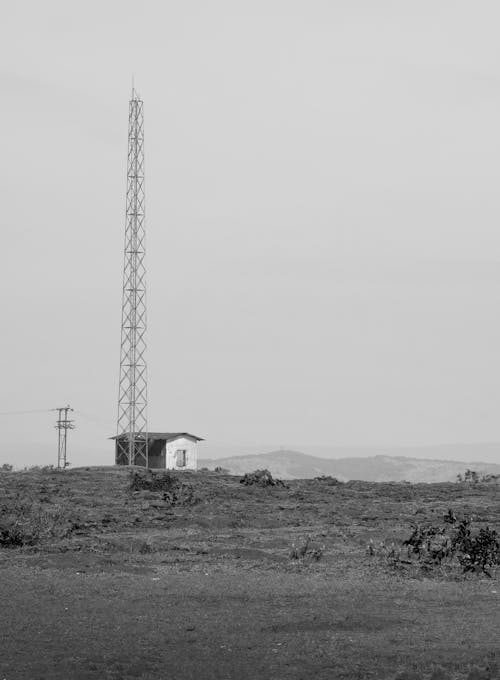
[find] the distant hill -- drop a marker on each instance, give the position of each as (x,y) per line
(380,468)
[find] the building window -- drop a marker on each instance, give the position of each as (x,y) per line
(180,456)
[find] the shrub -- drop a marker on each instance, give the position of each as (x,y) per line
(40,468)
(476,549)
(469,477)
(221,470)
(261,478)
(175,491)
(450,517)
(183,495)
(6,467)
(306,550)
(147,480)
(431,545)
(12,536)
(328,480)
(488,479)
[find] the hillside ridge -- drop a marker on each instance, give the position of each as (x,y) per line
(291,464)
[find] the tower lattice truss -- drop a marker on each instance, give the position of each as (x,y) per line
(132,394)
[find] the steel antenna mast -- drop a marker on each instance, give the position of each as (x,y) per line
(132,430)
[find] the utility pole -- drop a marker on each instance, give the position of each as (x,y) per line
(63,425)
(132,429)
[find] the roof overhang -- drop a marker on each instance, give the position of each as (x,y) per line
(167,436)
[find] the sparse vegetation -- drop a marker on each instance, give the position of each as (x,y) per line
(40,468)
(26,524)
(201,544)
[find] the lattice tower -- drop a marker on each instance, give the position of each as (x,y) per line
(132,449)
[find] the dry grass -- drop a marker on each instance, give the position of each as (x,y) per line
(114,556)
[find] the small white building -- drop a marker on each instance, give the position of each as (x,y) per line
(181,451)
(167,450)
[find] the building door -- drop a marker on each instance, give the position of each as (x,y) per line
(180,457)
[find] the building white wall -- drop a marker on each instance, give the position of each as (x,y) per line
(191,448)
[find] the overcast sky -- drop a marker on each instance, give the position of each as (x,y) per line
(323,219)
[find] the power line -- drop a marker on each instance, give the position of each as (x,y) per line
(22,413)
(91,417)
(82,414)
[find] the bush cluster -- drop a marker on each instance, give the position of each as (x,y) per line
(147,480)
(175,491)
(473,477)
(261,478)
(475,548)
(41,468)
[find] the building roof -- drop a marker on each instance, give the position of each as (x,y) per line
(167,436)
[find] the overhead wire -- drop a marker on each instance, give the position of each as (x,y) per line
(21,413)
(82,414)
(89,416)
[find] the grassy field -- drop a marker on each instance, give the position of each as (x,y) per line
(214,579)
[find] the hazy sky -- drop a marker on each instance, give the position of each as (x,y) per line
(323,220)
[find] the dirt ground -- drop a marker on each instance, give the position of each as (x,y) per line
(130,585)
